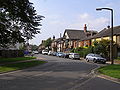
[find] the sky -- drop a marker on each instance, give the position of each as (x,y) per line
(73,14)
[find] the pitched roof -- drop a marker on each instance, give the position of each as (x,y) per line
(58,39)
(75,34)
(106,32)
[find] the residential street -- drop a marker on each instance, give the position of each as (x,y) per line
(57,74)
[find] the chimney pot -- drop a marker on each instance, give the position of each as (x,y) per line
(85,28)
(108,26)
(53,37)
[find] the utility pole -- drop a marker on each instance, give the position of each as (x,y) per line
(111,33)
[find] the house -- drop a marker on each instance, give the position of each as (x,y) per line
(41,46)
(75,38)
(57,45)
(105,34)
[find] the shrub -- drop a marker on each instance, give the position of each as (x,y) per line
(83,51)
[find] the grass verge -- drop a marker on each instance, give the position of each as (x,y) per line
(7,60)
(20,65)
(111,70)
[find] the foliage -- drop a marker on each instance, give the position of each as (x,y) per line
(118,58)
(18,20)
(34,47)
(47,43)
(83,51)
(101,47)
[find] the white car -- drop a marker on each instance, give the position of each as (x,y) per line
(95,58)
(74,56)
(50,53)
(45,52)
(35,52)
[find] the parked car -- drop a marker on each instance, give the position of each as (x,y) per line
(40,51)
(95,58)
(50,53)
(60,54)
(45,52)
(74,56)
(54,53)
(35,52)
(65,55)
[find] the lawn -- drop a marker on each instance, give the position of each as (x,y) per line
(7,60)
(20,65)
(111,70)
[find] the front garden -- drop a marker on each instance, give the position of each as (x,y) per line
(18,63)
(111,70)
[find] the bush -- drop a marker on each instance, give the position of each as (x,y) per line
(83,51)
(118,58)
(11,53)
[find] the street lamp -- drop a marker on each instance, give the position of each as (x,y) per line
(111,34)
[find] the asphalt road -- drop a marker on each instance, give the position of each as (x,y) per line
(57,74)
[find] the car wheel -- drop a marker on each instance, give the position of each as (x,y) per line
(103,62)
(87,60)
(94,61)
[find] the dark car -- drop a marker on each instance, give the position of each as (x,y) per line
(66,55)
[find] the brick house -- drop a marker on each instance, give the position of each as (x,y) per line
(57,45)
(74,38)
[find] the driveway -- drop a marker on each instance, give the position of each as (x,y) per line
(57,74)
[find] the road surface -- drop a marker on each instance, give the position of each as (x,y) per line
(57,74)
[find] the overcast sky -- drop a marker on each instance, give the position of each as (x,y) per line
(73,14)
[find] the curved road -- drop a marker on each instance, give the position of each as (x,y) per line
(57,74)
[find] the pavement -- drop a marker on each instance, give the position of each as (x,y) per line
(57,74)
(115,62)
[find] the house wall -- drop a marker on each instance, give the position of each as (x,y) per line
(118,40)
(75,44)
(71,43)
(98,39)
(87,43)
(81,43)
(105,38)
(66,36)
(84,43)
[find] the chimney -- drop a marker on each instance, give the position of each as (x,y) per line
(85,28)
(108,26)
(53,37)
(43,41)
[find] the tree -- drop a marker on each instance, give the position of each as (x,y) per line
(47,43)
(102,47)
(18,21)
(34,47)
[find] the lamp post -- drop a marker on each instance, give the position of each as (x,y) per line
(111,34)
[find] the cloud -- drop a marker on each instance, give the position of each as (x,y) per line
(92,22)
(84,16)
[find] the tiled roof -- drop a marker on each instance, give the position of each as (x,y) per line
(75,34)
(78,34)
(58,39)
(104,33)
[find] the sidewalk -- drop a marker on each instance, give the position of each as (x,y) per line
(115,62)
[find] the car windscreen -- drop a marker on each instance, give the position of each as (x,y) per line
(97,55)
